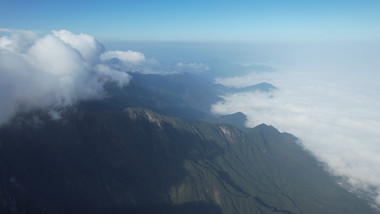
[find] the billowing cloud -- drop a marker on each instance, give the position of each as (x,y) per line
(130,57)
(51,72)
(87,46)
(19,40)
(335,112)
(107,73)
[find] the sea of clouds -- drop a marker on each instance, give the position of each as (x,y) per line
(329,98)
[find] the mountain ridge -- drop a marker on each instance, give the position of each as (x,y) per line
(138,161)
(119,155)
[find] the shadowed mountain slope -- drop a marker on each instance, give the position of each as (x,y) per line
(138,161)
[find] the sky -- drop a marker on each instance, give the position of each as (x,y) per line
(271,21)
(325,55)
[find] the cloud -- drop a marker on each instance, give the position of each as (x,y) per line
(5,30)
(87,46)
(194,66)
(105,72)
(335,112)
(51,72)
(129,57)
(18,40)
(247,80)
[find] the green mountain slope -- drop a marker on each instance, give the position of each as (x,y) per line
(138,161)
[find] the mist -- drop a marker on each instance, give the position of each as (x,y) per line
(328,97)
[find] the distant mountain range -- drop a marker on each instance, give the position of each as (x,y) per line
(154,147)
(184,95)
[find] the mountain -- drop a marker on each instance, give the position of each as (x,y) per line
(151,148)
(138,161)
(237,119)
(182,95)
(264,86)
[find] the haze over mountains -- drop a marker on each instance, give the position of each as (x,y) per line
(89,130)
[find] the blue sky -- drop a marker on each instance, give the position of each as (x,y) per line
(207,20)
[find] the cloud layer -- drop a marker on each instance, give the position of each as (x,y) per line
(197,67)
(335,112)
(51,72)
(131,57)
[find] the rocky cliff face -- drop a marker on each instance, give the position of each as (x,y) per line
(137,161)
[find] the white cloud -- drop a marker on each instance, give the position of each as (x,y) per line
(121,78)
(335,112)
(51,72)
(194,66)
(18,40)
(129,56)
(247,80)
(87,46)
(339,127)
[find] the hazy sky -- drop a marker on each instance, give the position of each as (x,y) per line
(206,20)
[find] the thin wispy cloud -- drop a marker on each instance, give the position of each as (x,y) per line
(194,66)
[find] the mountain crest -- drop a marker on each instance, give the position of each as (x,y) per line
(140,113)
